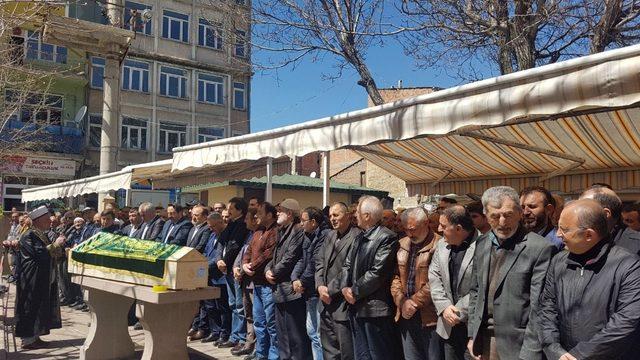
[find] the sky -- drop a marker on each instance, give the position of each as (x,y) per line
(292,96)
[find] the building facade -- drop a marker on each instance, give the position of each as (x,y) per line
(185,80)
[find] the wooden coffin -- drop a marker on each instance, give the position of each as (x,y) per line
(140,262)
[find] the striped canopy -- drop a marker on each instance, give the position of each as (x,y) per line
(577,115)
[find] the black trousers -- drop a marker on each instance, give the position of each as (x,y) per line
(336,338)
(375,338)
(455,347)
(214,316)
(293,342)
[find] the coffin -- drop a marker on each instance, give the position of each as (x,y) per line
(141,262)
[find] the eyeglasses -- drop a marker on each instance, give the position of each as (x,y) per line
(563,232)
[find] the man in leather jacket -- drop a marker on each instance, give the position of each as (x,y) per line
(365,282)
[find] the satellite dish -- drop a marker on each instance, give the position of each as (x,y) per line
(313,174)
(146,15)
(80,114)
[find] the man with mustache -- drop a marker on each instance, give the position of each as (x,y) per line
(538,207)
(508,273)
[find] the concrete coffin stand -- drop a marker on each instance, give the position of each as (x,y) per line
(165,317)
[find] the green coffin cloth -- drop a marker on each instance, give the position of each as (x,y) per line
(124,253)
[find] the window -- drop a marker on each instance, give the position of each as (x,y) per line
(135,76)
(46,110)
(175,26)
(97,72)
(134,134)
(38,50)
(209,134)
(140,27)
(173,82)
(210,89)
(241,43)
(209,34)
(239,96)
(95,130)
(171,135)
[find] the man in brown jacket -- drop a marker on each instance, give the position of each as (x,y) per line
(416,315)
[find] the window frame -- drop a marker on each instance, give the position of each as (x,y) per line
(143,133)
(204,137)
(204,26)
(147,27)
(240,43)
(55,49)
(169,16)
(244,95)
(218,88)
(95,125)
(93,69)
(130,69)
(165,80)
(54,103)
(163,139)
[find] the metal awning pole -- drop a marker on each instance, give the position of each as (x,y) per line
(268,193)
(325,179)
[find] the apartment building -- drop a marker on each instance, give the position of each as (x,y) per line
(185,79)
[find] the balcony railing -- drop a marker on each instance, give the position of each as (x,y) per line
(45,138)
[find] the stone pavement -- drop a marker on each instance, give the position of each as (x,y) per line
(65,343)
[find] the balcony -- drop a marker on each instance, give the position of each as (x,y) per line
(42,138)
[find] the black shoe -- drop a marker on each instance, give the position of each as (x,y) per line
(246,350)
(210,338)
(220,341)
(11,279)
(85,308)
(79,306)
(75,303)
(3,289)
(137,326)
(227,344)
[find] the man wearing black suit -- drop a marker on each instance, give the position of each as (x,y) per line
(234,237)
(153,223)
(135,225)
(335,332)
(199,233)
(176,230)
(509,268)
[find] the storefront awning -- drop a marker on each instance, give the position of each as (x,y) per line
(579,114)
(122,179)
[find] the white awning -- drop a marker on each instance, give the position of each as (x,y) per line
(108,182)
(577,114)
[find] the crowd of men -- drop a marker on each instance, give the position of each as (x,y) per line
(513,276)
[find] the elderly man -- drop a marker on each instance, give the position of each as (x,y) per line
(335,331)
(508,273)
(365,282)
(450,279)
(589,308)
(612,205)
(176,229)
(37,308)
(538,207)
(389,219)
(415,312)
(107,222)
(291,309)
(152,223)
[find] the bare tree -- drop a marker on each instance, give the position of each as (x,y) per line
(516,34)
(341,30)
(25,98)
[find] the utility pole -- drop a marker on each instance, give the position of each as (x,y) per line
(110,102)
(111,42)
